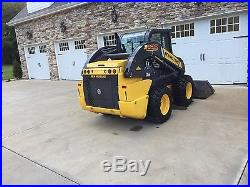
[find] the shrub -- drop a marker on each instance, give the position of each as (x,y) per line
(17,70)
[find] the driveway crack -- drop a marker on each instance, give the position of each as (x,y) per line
(244,168)
(41,165)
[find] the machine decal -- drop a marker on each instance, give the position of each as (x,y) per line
(151,47)
(98,76)
(138,68)
(171,58)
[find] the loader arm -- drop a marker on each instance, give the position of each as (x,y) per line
(149,59)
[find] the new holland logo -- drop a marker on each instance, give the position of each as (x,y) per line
(151,47)
(138,68)
(98,76)
(98,91)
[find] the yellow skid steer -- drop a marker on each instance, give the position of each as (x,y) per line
(139,77)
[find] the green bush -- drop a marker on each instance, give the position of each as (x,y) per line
(17,70)
(7,72)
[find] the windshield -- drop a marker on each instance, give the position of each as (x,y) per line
(132,41)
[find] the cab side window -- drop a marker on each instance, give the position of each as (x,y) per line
(161,38)
(156,37)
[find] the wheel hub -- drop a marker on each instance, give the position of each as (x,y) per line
(165,104)
(189,90)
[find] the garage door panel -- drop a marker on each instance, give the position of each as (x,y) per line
(37,62)
(79,62)
(233,49)
(199,72)
(63,49)
(220,58)
(189,52)
(227,61)
(71,57)
(218,73)
(228,73)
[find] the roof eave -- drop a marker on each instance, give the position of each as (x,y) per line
(46,13)
(206,16)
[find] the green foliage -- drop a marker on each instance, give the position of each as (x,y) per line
(7,72)
(17,70)
(9,44)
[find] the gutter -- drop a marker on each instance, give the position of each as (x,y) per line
(45,13)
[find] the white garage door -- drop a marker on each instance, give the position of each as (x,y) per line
(71,56)
(37,61)
(214,49)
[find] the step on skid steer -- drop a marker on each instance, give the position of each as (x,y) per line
(139,77)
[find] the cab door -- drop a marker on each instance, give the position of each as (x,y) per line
(161,36)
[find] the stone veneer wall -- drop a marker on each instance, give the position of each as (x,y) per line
(89,20)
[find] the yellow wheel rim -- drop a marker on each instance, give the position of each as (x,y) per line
(189,90)
(165,104)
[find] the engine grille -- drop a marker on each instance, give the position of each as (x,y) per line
(101,92)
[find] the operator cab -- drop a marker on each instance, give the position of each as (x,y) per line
(130,42)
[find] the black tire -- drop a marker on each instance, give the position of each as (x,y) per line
(181,97)
(154,112)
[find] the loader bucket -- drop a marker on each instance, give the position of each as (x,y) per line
(202,89)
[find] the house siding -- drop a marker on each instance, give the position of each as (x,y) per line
(88,20)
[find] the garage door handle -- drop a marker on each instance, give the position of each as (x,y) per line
(241,36)
(203,56)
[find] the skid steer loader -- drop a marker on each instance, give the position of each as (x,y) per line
(139,77)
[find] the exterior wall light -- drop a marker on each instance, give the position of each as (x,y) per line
(114,15)
(63,27)
(29,34)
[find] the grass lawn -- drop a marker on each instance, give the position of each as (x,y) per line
(7,72)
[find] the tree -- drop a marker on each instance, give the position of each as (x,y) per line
(9,44)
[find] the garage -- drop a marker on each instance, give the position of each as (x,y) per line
(71,56)
(213,49)
(211,38)
(37,61)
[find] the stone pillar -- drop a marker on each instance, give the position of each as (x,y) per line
(23,62)
(52,61)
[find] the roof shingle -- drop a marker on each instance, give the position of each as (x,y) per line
(23,15)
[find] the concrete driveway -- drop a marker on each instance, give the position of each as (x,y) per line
(48,139)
